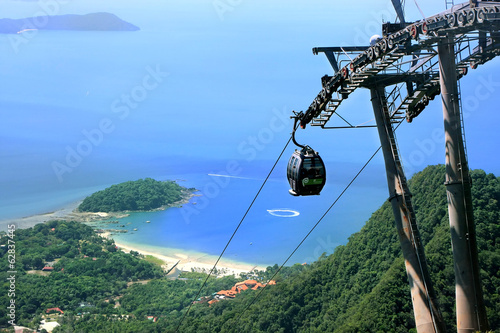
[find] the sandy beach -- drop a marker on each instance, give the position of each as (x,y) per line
(198,262)
(30,221)
(70,212)
(67,213)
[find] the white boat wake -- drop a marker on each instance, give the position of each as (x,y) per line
(283,212)
(226,176)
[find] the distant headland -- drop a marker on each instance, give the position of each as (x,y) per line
(87,22)
(140,195)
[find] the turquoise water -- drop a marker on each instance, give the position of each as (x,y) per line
(272,229)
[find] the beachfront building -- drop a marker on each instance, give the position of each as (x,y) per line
(238,288)
(249,284)
(223,294)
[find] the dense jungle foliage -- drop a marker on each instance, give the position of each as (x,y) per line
(361,287)
(89,276)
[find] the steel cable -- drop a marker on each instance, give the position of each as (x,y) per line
(232,236)
(310,231)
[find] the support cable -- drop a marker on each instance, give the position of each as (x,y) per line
(232,236)
(310,231)
(420,10)
(348,123)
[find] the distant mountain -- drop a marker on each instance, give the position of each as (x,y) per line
(88,22)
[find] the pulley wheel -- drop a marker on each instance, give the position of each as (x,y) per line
(414,32)
(424,28)
(369,53)
(390,42)
(344,72)
(481,15)
(383,46)
(462,18)
(452,19)
(471,16)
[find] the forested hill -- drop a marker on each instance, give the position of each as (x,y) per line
(363,287)
(142,194)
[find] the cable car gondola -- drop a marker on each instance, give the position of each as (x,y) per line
(305,171)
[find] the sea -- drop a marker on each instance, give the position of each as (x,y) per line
(196,98)
(260,220)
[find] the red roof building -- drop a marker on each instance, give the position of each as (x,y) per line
(54,309)
(242,286)
(227,293)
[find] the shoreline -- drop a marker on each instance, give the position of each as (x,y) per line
(187,261)
(69,212)
(32,220)
(184,260)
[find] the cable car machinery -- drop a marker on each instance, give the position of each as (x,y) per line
(416,62)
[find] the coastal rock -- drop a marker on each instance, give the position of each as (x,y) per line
(88,22)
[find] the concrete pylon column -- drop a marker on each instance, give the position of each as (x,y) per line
(427,315)
(471,312)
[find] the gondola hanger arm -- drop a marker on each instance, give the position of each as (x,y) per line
(297,117)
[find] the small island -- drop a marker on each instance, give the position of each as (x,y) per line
(140,195)
(87,22)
